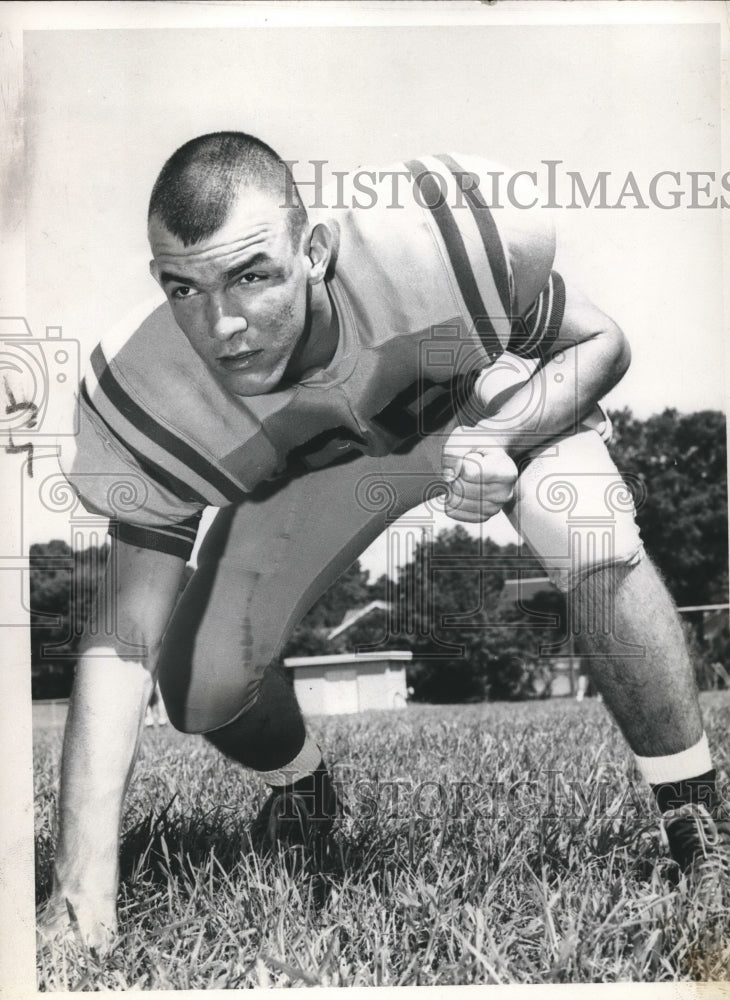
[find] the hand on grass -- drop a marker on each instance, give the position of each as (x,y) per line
(90,922)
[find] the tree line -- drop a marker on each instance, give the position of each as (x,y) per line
(447,604)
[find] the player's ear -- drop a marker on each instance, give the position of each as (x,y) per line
(155,270)
(321,245)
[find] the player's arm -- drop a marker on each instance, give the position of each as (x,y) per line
(580,359)
(587,357)
(114,682)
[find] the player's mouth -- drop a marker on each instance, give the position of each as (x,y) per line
(236,362)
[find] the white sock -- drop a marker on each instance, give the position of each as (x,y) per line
(680,766)
(305,762)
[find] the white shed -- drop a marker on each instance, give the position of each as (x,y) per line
(350,682)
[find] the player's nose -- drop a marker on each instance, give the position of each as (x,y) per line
(225,320)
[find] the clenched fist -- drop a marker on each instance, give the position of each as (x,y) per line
(482,477)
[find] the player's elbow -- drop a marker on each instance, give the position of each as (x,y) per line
(615,353)
(620,350)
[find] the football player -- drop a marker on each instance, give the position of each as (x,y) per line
(314,374)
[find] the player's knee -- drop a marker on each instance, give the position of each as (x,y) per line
(200,696)
(215,650)
(207,671)
(215,709)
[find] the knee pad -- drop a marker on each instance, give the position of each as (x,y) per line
(575,511)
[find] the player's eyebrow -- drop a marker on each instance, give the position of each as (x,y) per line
(257,258)
(167,276)
(233,272)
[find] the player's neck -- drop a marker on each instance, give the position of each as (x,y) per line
(321,338)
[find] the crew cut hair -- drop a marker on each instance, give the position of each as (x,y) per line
(199,184)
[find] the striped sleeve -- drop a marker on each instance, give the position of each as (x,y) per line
(172,539)
(460,213)
(534,333)
(111,482)
(167,456)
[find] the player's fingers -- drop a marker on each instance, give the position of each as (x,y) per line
(494,466)
(472,506)
(472,468)
(462,491)
(493,475)
(473,515)
(457,515)
(475,482)
(451,464)
(474,503)
(500,493)
(458,444)
(475,485)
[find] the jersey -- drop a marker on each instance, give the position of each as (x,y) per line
(424,290)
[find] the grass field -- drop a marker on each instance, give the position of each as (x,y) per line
(496,843)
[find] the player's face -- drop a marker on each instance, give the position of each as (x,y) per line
(240,297)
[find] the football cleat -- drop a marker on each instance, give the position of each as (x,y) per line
(298,815)
(700,844)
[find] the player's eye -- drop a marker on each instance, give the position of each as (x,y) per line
(249,278)
(182,292)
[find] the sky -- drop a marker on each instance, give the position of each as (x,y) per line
(104,108)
